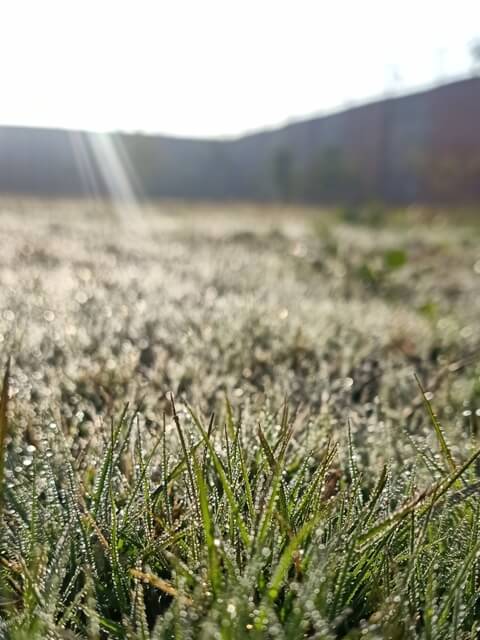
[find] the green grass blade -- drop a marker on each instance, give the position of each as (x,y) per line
(3,431)
(444,448)
(232,501)
(208,531)
(287,558)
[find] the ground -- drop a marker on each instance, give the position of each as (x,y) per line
(239,311)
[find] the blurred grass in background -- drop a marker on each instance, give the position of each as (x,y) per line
(321,500)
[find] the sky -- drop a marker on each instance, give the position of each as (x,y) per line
(215,68)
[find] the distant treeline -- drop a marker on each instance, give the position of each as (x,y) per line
(421,147)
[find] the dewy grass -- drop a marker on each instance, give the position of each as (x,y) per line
(3,431)
(197,560)
(331,496)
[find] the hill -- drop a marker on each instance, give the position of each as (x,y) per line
(419,147)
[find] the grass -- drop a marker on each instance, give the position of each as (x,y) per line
(348,509)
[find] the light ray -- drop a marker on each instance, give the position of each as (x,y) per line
(85,164)
(123,187)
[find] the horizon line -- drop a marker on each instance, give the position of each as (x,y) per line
(390,94)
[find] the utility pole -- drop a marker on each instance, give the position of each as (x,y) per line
(475,53)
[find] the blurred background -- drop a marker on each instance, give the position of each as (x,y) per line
(280,101)
(259,198)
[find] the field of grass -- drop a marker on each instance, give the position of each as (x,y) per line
(237,422)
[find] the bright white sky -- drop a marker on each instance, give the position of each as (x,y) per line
(218,67)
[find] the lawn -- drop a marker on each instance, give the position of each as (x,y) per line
(238,422)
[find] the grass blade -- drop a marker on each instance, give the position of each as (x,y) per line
(3,431)
(444,448)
